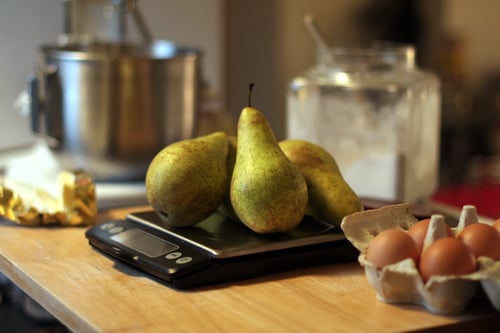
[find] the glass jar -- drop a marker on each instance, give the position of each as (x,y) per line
(377,114)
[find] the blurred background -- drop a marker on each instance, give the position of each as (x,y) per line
(266,42)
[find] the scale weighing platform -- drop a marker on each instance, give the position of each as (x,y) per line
(217,249)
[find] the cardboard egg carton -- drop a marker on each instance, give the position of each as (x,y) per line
(401,282)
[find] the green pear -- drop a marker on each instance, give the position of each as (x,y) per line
(187,180)
(330,196)
(268,192)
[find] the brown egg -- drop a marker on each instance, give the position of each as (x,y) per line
(419,230)
(496,225)
(391,246)
(446,256)
(482,239)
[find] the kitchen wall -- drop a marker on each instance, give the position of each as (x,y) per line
(477,25)
(26,24)
(23,24)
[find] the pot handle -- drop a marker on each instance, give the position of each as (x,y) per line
(34,104)
(44,104)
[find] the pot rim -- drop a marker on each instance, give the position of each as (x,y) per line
(156,50)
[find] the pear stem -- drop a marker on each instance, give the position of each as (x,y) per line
(250,88)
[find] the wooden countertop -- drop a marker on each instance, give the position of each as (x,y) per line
(90,292)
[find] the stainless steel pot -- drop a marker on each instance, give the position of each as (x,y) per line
(109,108)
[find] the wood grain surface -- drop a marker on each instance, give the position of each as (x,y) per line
(89,292)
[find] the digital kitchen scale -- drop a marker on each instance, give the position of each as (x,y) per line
(217,249)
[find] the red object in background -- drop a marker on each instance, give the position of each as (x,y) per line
(485,197)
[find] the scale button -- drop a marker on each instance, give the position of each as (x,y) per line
(107,226)
(173,255)
(115,230)
(183,260)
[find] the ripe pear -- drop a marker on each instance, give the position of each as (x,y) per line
(187,180)
(330,196)
(268,192)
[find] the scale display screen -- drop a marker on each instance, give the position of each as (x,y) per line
(145,243)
